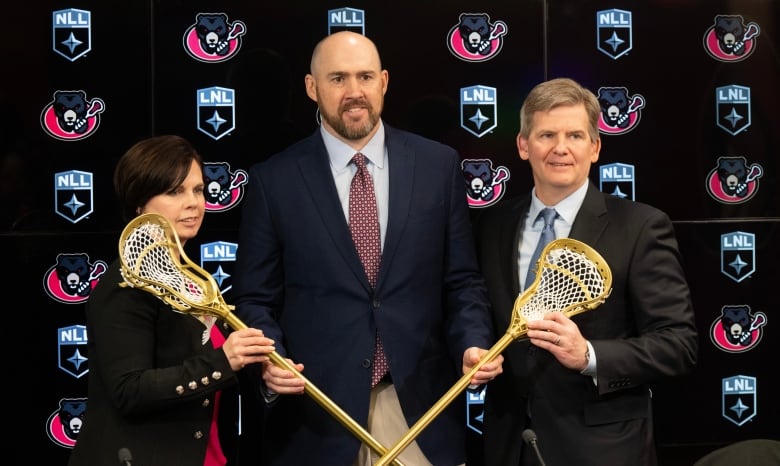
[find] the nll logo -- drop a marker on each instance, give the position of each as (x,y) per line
(72,350)
(618,180)
(346,19)
(73,194)
(614,32)
(71,33)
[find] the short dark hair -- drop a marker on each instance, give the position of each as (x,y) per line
(150,167)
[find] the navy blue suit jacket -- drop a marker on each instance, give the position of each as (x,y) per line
(644,331)
(298,278)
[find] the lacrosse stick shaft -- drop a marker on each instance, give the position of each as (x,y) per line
(443,402)
(322,399)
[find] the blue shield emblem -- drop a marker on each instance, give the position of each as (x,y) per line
(475,409)
(739,398)
(738,255)
(613,32)
(732,108)
(478,113)
(73,195)
(618,180)
(218,259)
(216,111)
(347,19)
(71,33)
(72,350)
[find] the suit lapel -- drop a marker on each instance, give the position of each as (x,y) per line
(401,159)
(316,175)
(511,231)
(591,220)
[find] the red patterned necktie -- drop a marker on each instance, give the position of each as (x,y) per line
(364,227)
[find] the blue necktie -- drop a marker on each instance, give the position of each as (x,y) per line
(548,234)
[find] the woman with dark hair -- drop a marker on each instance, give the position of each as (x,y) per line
(163,386)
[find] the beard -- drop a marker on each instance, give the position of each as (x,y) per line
(354,131)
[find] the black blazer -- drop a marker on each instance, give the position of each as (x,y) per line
(298,278)
(151,385)
(644,331)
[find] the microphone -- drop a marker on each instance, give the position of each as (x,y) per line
(125,457)
(529,437)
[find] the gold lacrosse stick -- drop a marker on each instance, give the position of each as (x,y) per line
(571,277)
(148,251)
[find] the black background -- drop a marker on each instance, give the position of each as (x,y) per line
(139,68)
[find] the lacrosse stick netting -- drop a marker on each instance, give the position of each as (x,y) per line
(152,259)
(571,277)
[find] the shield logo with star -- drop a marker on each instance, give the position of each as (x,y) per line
(216,111)
(475,409)
(218,259)
(613,32)
(71,33)
(738,255)
(73,194)
(478,109)
(72,350)
(732,108)
(618,180)
(739,398)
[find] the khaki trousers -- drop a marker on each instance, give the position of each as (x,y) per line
(387,425)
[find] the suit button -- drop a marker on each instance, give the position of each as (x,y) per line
(366,363)
(197,435)
(206,403)
(375,303)
(192,385)
(179,390)
(205,380)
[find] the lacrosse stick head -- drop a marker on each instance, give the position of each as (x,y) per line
(152,259)
(571,277)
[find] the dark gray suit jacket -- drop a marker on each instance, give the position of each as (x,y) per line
(644,331)
(298,277)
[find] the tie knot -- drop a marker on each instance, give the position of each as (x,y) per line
(548,215)
(359,160)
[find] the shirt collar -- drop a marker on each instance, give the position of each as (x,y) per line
(341,154)
(568,207)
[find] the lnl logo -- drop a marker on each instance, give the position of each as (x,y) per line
(732,108)
(478,112)
(216,111)
(739,403)
(218,259)
(738,255)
